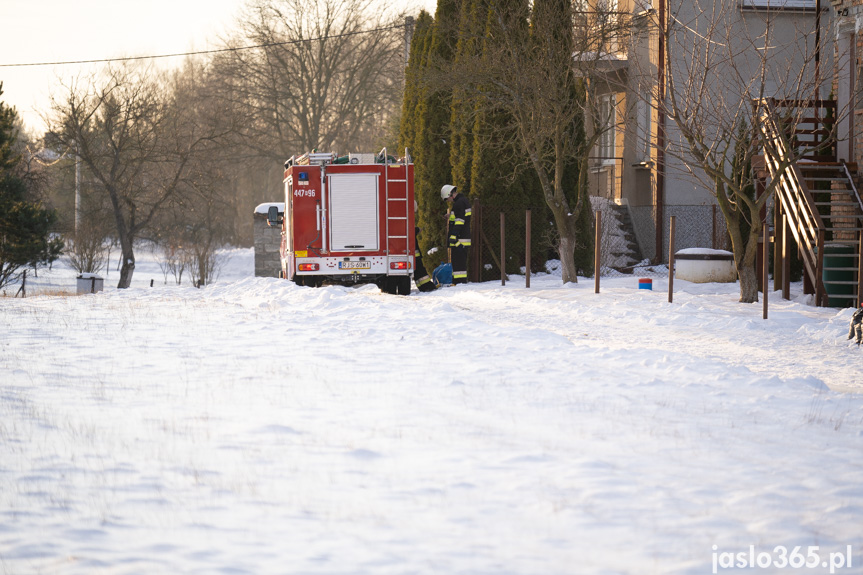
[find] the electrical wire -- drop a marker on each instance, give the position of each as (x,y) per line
(203,52)
(673,17)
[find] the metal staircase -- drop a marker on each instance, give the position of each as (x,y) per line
(821,209)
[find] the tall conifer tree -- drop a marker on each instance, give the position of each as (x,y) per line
(414,75)
(471,31)
(433,131)
(500,174)
(25,225)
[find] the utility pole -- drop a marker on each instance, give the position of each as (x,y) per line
(409,34)
(77,191)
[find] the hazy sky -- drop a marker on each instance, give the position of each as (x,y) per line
(33,31)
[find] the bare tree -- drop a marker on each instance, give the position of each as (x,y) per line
(195,226)
(327,74)
(89,225)
(719,60)
(135,139)
(87,251)
(171,259)
(199,217)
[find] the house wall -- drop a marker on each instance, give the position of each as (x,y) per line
(847,36)
(683,189)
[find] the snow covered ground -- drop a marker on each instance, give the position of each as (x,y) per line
(258,427)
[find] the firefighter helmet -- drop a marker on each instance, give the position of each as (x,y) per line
(447,191)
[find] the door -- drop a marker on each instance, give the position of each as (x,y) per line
(353,212)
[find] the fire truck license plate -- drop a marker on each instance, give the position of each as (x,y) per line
(355,265)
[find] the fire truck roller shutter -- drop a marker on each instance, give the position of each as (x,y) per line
(353,206)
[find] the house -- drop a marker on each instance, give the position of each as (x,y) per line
(639,162)
(848,54)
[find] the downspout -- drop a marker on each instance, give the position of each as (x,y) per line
(660,134)
(818,49)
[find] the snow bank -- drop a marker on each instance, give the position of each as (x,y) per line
(254,426)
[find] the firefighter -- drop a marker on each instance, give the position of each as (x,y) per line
(459,231)
(856,328)
(421,276)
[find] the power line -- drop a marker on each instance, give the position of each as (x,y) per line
(203,52)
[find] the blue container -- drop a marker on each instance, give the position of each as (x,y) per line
(442,275)
(645,283)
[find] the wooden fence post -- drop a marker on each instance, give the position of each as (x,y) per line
(527,253)
(23,289)
(860,270)
(777,246)
(475,267)
(786,259)
(713,240)
(596,251)
(765,269)
(502,251)
(671,259)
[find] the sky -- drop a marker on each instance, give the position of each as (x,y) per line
(35,31)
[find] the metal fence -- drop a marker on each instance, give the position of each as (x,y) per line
(695,227)
(489,233)
(628,243)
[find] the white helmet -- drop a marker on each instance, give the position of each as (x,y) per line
(447,191)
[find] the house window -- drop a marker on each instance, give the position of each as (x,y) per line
(608,25)
(607,6)
(608,127)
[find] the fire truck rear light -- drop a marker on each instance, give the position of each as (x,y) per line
(398,265)
(308,267)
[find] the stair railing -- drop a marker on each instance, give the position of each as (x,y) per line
(853,187)
(797,202)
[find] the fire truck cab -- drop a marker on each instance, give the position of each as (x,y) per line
(348,220)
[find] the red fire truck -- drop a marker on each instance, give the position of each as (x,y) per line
(348,220)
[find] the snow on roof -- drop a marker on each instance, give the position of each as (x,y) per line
(265,207)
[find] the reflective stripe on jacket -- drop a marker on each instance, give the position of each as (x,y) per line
(459,222)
